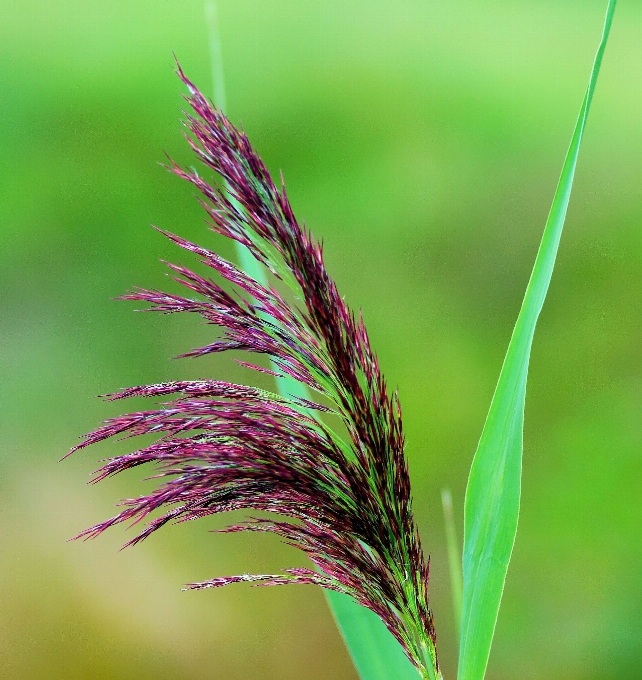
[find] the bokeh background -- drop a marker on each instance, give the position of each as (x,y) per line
(422,141)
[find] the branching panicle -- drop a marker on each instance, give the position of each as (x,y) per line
(227,447)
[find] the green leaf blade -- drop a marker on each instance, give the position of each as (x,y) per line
(375,652)
(494,485)
(454,557)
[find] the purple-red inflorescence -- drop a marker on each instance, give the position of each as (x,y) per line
(228,447)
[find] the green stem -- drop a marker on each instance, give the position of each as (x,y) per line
(374,651)
(454,557)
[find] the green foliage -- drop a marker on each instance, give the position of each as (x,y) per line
(418,139)
(373,649)
(454,557)
(375,652)
(494,484)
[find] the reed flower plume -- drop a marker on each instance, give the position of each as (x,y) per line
(344,501)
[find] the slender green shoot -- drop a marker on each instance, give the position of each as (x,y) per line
(216,56)
(374,651)
(493,492)
(454,557)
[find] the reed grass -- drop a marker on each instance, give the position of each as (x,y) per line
(265,451)
(494,484)
(454,557)
(375,653)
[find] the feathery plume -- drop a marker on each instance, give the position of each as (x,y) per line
(346,504)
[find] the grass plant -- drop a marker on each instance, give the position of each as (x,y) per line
(494,484)
(375,653)
(346,499)
(454,557)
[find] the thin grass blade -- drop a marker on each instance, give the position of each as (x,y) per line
(374,651)
(454,557)
(493,492)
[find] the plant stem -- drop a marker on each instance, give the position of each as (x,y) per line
(374,651)
(454,557)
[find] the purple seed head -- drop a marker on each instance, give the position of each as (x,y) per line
(222,447)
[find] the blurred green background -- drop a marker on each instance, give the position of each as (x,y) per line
(422,141)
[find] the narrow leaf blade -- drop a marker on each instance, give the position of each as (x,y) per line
(454,557)
(494,484)
(373,649)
